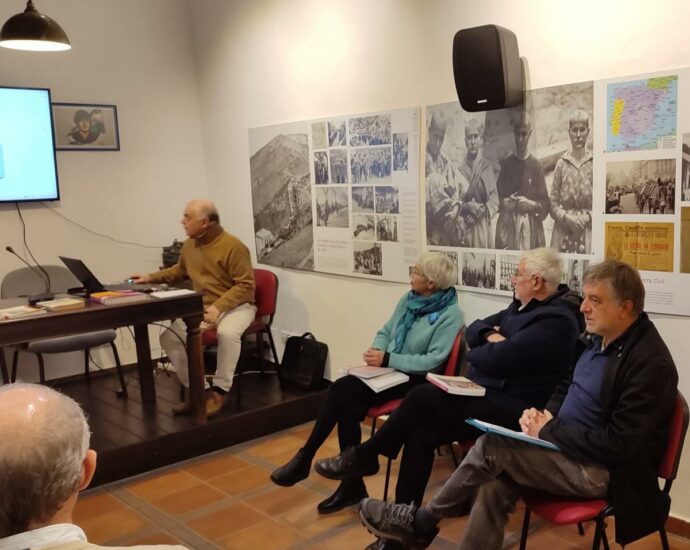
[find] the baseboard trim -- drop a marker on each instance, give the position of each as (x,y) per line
(679,527)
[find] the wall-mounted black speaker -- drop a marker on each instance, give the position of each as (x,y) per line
(487,68)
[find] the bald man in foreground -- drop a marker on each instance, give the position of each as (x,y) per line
(220,267)
(45,461)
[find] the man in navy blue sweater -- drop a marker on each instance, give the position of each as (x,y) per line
(519,355)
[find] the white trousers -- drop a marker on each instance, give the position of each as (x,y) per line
(231,325)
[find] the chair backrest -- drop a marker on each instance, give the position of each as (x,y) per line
(676,437)
(25,281)
(454,357)
(266,293)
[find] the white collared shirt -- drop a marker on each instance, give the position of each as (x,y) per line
(44,536)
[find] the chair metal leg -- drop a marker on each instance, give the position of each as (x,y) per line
(664,538)
(87,373)
(598,530)
(388,477)
(3,367)
(41,368)
(525,529)
(581,529)
(260,352)
(273,347)
(120,374)
(373,427)
(15,361)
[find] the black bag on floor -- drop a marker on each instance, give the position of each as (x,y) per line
(304,361)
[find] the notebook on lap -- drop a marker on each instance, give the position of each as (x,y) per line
(92,284)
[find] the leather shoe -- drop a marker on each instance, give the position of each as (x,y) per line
(346,465)
(185,407)
(349,492)
(294,471)
(215,402)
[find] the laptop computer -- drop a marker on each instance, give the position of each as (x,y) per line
(92,284)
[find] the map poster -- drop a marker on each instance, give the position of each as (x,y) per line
(646,246)
(685,239)
(642,114)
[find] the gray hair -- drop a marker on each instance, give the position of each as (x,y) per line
(44,437)
(438,268)
(545,262)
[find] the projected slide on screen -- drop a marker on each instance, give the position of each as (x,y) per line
(27,151)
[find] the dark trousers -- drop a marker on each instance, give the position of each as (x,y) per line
(429,417)
(346,405)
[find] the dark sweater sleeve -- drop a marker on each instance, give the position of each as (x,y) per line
(529,348)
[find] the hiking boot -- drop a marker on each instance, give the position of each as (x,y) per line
(394,522)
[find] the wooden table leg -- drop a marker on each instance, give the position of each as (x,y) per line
(145,365)
(195,362)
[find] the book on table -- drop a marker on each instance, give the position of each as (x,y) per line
(379,378)
(457,385)
(110,297)
(62,304)
(20,312)
(505,432)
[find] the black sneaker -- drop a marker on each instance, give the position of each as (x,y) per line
(394,522)
(294,471)
(346,465)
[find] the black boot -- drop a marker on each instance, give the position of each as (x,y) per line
(294,471)
(383,544)
(349,492)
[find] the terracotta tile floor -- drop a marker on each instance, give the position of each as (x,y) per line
(226,500)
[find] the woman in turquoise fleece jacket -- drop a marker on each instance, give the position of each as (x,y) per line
(416,339)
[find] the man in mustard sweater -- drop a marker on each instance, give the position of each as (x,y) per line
(220,267)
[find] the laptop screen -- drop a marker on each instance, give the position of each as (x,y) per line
(83,273)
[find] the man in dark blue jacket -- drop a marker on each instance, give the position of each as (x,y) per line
(610,422)
(519,355)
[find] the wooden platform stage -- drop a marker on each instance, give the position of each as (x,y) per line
(131,438)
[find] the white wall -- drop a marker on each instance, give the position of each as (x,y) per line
(138,56)
(264,62)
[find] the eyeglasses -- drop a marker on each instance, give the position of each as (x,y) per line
(418,272)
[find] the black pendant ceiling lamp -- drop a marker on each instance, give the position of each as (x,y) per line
(33,31)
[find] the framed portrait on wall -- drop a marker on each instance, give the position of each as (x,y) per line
(85,127)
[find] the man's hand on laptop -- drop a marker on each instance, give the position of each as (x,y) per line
(138,279)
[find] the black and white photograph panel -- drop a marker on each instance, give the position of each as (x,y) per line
(331,207)
(281,196)
(563,141)
(370,130)
(337,136)
(478,270)
(370,165)
(387,228)
(500,179)
(685,191)
(362,199)
(507,267)
(363,227)
(367,258)
(574,273)
(338,165)
(318,135)
(387,200)
(400,152)
(320,168)
(641,187)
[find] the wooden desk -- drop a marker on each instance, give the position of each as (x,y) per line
(94,316)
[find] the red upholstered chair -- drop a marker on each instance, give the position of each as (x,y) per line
(561,511)
(387,408)
(266,298)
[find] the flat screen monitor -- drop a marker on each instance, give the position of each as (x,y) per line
(28,168)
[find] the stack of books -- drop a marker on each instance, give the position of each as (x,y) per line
(62,304)
(20,312)
(110,297)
